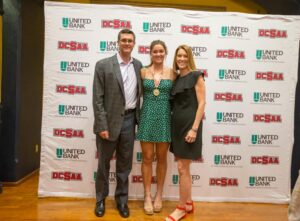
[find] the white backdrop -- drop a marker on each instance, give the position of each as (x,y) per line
(250,63)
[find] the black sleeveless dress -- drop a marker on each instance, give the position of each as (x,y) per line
(184,106)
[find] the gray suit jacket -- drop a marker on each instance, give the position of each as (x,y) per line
(109,98)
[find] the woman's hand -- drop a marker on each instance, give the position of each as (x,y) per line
(191,136)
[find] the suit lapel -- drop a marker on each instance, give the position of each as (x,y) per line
(117,71)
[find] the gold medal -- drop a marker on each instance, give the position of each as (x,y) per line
(156,92)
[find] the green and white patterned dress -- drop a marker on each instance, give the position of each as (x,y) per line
(155,118)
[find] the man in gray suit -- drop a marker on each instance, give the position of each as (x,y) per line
(116,102)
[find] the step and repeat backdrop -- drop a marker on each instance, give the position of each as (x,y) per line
(250,64)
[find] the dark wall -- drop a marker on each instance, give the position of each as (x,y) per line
(21,88)
(31,84)
(10,72)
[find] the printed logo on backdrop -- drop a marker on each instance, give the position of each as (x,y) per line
(157,28)
(74,67)
(71,89)
(70,154)
(73,46)
(195,29)
(232,75)
(267,118)
(272,33)
(139,179)
(66,176)
(227,161)
(236,32)
(230,118)
(226,140)
(267,98)
(199,52)
(269,56)
(269,76)
(228,97)
(72,111)
(116,24)
(195,180)
(264,160)
(143,49)
(108,47)
(268,182)
(264,140)
(68,133)
(230,54)
(112,179)
(76,24)
(224,182)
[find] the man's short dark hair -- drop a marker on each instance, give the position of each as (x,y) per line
(126,31)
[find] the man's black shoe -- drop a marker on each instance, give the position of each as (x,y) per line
(123,210)
(100,208)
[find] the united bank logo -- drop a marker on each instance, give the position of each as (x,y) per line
(73,67)
(224,182)
(264,139)
(73,46)
(232,74)
(71,89)
(66,176)
(194,177)
(116,24)
(68,133)
(195,29)
(230,54)
(143,49)
(108,46)
(268,55)
(67,153)
(265,160)
(262,181)
(71,110)
(267,118)
(227,160)
(156,27)
(272,33)
(234,31)
(225,139)
(269,76)
(266,97)
(75,23)
(229,118)
(139,157)
(228,97)
(199,52)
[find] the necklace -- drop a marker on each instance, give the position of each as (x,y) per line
(156,79)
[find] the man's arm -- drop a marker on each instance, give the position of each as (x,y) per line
(98,101)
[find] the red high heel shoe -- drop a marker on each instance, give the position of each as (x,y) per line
(190,204)
(183,215)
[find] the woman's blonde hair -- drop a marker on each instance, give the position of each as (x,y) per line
(191,62)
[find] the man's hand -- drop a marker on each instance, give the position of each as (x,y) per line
(104,134)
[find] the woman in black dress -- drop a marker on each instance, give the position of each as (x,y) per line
(188,101)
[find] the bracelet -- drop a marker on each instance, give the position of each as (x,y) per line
(195,130)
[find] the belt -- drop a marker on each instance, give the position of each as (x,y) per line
(129,111)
